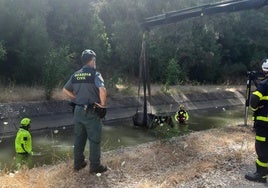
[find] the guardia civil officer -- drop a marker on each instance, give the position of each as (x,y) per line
(86,89)
(259,105)
(23,140)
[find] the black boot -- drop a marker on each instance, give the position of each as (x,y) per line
(81,166)
(256,177)
(259,175)
(98,169)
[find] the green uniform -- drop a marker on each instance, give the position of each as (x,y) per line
(23,141)
(85,84)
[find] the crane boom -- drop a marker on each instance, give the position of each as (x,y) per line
(208,9)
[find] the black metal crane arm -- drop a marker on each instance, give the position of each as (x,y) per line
(208,9)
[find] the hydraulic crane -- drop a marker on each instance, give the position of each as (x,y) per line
(143,119)
(208,9)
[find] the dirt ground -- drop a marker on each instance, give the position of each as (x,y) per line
(211,158)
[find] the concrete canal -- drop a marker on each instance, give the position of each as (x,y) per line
(52,145)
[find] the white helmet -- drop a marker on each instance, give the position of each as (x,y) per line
(265,65)
(87,55)
(89,52)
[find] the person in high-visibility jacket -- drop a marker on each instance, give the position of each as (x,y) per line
(259,105)
(23,141)
(181,115)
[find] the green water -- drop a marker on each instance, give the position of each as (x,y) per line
(54,145)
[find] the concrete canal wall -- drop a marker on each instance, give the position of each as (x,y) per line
(51,114)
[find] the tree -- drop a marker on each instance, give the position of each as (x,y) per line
(124,33)
(32,31)
(23,30)
(174,73)
(56,65)
(206,53)
(76,24)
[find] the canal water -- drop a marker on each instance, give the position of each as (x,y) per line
(53,145)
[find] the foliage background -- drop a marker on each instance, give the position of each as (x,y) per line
(41,42)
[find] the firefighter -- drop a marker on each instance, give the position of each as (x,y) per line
(23,144)
(23,141)
(181,115)
(259,105)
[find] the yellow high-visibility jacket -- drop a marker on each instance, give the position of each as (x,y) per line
(181,115)
(23,141)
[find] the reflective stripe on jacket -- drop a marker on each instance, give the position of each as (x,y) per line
(181,115)
(259,102)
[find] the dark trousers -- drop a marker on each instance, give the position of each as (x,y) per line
(87,126)
(261,147)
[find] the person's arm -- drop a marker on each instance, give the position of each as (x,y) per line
(103,96)
(68,93)
(99,82)
(254,101)
(27,143)
(22,146)
(255,98)
(187,115)
(176,116)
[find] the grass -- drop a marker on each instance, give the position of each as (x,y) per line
(14,93)
(165,131)
(20,93)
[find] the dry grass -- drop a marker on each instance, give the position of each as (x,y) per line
(160,164)
(22,93)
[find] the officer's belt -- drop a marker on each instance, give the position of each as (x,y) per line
(86,106)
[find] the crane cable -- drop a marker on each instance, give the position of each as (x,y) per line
(144,78)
